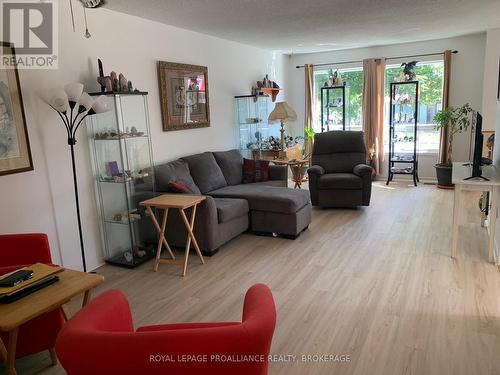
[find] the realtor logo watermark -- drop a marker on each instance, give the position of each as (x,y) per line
(31,25)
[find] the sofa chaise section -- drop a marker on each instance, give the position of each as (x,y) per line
(272,209)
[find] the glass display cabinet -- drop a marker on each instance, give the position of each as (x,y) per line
(403,120)
(120,146)
(257,138)
(333,108)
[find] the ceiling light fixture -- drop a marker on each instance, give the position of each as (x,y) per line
(87,33)
(92,3)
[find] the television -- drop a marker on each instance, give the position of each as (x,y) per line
(476,149)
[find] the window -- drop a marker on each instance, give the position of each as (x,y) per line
(353,77)
(430,79)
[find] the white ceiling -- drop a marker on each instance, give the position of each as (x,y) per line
(319,25)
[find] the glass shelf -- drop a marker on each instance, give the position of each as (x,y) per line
(333,108)
(124,174)
(122,138)
(403,125)
(121,222)
(255,136)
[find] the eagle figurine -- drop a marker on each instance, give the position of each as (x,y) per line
(408,69)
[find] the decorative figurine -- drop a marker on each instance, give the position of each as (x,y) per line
(106,83)
(123,83)
(129,257)
(409,74)
(138,253)
(114,82)
(334,79)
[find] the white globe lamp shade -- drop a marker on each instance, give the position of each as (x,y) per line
(100,105)
(74,91)
(86,102)
(58,99)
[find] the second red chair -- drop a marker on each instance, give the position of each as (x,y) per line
(100,339)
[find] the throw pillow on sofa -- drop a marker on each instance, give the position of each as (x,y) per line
(230,163)
(255,171)
(171,171)
(179,186)
(205,172)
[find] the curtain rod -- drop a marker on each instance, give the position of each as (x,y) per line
(389,58)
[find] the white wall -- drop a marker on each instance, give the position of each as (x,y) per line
(490,81)
(43,200)
(491,105)
(466,79)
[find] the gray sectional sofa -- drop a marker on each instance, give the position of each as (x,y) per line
(232,207)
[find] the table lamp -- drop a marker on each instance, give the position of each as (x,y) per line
(282,112)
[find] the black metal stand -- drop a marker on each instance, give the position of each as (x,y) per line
(327,100)
(72,123)
(77,201)
(407,159)
(472,177)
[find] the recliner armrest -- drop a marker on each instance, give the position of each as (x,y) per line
(316,169)
(362,169)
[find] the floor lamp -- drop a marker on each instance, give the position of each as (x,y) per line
(282,112)
(73,106)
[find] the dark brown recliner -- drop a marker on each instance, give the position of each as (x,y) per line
(339,175)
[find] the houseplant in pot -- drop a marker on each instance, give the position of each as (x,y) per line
(453,121)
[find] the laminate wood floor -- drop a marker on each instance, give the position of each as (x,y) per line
(376,284)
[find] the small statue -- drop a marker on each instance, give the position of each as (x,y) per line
(265,81)
(106,83)
(408,70)
(123,82)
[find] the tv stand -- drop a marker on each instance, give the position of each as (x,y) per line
(480,176)
(465,179)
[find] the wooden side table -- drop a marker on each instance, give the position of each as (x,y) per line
(297,168)
(180,202)
(71,283)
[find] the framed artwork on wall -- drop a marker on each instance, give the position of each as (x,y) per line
(15,153)
(183,96)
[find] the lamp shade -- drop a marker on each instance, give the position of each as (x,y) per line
(100,105)
(86,101)
(282,112)
(57,99)
(74,91)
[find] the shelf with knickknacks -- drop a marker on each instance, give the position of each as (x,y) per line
(114,83)
(266,87)
(112,134)
(334,98)
(120,146)
(403,125)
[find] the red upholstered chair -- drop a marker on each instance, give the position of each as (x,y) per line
(16,251)
(100,339)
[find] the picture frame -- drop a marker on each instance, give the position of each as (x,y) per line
(15,152)
(184,96)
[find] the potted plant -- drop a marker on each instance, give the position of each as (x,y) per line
(308,138)
(452,120)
